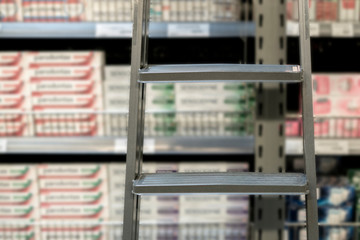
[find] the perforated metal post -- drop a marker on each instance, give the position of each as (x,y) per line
(269,211)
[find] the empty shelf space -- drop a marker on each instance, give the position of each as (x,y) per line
(225,183)
(220,72)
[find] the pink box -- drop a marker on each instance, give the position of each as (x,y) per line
(336,84)
(322,106)
(10,11)
(322,128)
(327,10)
(292,128)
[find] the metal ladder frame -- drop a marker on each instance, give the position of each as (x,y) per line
(140,76)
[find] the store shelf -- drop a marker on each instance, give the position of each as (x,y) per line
(124,30)
(327,29)
(169,145)
(110,145)
(326,146)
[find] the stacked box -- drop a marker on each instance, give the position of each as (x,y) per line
(19,206)
(54,11)
(336,200)
(10,11)
(217,215)
(117,90)
(73,198)
(69,82)
(327,10)
(349,10)
(293,9)
(217,108)
(337,95)
(160,103)
(14,99)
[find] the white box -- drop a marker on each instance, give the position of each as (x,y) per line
(73,198)
(119,73)
(11,73)
(8,172)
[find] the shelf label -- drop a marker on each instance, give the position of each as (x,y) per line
(331,147)
(314,29)
(120,145)
(292,28)
(188,30)
(3,145)
(113,30)
(342,29)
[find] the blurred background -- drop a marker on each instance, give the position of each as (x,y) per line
(64,89)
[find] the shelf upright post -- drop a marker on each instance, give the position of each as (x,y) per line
(269,211)
(135,141)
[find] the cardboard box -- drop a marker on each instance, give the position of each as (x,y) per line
(54,11)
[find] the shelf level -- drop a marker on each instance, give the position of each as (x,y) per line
(124,30)
(222,183)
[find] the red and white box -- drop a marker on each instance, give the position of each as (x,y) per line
(293,128)
(71,171)
(294,12)
(81,73)
(73,185)
(10,11)
(64,59)
(336,85)
(54,11)
(24,229)
(13,186)
(10,59)
(74,212)
(17,172)
(349,10)
(82,229)
(337,106)
(12,73)
(327,10)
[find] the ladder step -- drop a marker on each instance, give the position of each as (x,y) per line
(221,72)
(204,183)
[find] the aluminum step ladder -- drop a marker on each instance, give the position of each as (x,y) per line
(138,184)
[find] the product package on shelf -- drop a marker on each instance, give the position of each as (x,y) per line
(160,104)
(66,92)
(14,100)
(75,198)
(10,11)
(54,11)
(336,199)
(116,90)
(349,10)
(327,10)
(19,206)
(11,59)
(293,9)
(337,105)
(214,108)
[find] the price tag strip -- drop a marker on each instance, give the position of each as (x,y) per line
(123,30)
(120,145)
(188,30)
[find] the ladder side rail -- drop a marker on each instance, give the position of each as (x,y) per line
(308,121)
(136,119)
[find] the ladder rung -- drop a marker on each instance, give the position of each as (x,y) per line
(221,72)
(240,183)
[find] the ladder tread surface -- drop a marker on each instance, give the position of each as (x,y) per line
(220,72)
(241,183)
